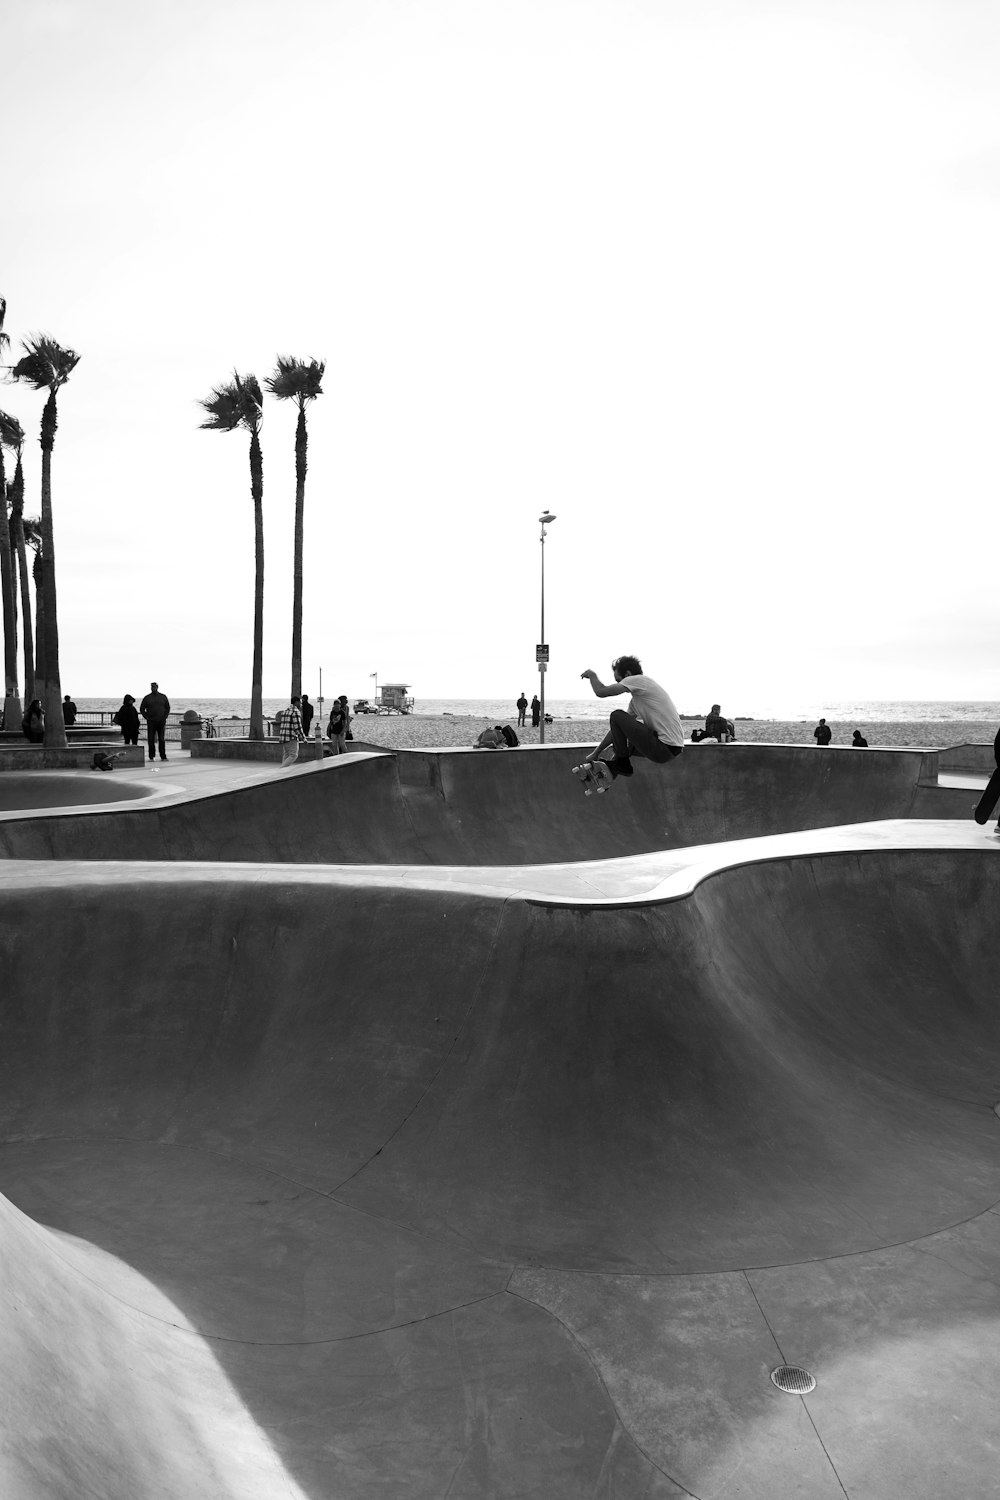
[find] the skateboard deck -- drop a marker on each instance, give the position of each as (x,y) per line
(595,776)
(989,799)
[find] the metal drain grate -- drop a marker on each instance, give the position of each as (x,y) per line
(792,1379)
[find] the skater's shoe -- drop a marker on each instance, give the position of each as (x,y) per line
(620,765)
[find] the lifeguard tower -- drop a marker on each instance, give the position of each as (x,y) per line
(393,700)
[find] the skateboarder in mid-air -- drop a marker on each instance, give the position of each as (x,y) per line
(650,727)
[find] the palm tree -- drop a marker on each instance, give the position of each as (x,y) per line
(46,365)
(297,380)
(9,426)
(13,437)
(239,403)
(35,543)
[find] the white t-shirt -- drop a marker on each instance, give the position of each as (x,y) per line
(655,707)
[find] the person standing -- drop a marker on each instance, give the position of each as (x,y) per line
(536,711)
(522,709)
(307,714)
(154,709)
(859,742)
(822,734)
(339,725)
(33,723)
(69,712)
(127,720)
(288,722)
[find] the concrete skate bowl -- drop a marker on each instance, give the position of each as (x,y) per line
(492,808)
(320,1186)
(22,791)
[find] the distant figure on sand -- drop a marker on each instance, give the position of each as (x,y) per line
(154,709)
(288,723)
(822,734)
(536,712)
(651,727)
(33,723)
(307,714)
(127,719)
(522,708)
(69,711)
(859,742)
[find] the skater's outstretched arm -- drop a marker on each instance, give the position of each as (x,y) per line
(602,689)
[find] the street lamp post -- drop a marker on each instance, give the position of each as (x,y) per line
(546,519)
(375,675)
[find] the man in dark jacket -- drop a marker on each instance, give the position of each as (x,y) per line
(154,709)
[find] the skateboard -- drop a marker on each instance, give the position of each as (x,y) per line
(595,776)
(989,799)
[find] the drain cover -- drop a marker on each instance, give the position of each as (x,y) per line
(793,1380)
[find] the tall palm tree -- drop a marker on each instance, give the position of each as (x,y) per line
(46,365)
(297,380)
(12,714)
(239,403)
(35,543)
(13,437)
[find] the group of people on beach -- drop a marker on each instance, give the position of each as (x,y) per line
(292,726)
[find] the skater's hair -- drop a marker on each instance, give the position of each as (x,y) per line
(628,666)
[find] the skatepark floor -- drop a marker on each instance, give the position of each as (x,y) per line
(491,1180)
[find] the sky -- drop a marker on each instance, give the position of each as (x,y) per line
(714,281)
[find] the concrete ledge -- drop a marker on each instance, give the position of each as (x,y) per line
(967,758)
(266,750)
(73,758)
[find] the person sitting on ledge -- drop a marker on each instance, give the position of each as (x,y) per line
(716,728)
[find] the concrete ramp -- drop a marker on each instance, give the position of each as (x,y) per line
(382,1188)
(491,807)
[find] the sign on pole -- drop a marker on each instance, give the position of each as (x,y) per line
(541,655)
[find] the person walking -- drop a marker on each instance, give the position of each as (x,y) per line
(154,709)
(307,714)
(288,723)
(522,709)
(127,720)
(822,734)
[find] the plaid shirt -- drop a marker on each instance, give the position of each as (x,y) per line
(288,722)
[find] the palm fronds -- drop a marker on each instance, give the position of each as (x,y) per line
(296,379)
(11,432)
(45,364)
(236,403)
(4,337)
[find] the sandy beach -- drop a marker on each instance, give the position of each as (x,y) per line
(424,732)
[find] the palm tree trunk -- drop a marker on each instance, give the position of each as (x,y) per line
(300,505)
(17,532)
(257,491)
(38,680)
(55,727)
(12,713)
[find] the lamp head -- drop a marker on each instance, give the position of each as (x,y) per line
(546,518)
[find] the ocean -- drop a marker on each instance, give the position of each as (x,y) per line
(501,710)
